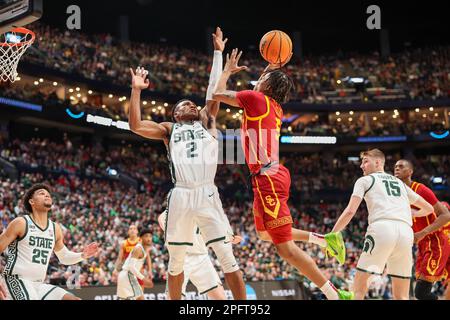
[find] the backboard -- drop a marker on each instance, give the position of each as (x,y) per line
(18,13)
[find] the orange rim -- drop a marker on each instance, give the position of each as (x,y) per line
(24,31)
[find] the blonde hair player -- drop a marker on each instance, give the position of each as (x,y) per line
(389,238)
(30,240)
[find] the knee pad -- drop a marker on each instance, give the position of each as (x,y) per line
(423,290)
(176,259)
(224,253)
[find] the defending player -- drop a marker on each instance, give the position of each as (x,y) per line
(193,153)
(128,287)
(31,239)
(389,238)
(270,180)
(446,231)
(432,243)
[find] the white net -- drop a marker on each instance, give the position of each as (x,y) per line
(13,45)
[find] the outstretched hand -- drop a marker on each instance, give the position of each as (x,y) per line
(231,65)
(138,79)
(90,250)
(219,43)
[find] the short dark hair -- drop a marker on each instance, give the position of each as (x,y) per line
(144,232)
(175,106)
(409,163)
(30,193)
(280,86)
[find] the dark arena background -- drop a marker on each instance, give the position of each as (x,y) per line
(358,85)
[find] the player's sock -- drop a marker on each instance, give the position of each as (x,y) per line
(330,291)
(318,239)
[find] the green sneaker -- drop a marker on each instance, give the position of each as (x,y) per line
(335,246)
(346,295)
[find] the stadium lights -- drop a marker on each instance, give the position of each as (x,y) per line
(70,90)
(431,109)
(72,98)
(338,113)
(339,82)
(382,111)
(239,83)
(375,118)
(78,89)
(90,92)
(436,115)
(36,83)
(153,102)
(153,110)
(240,111)
(159,108)
(289,128)
(228,110)
(144,103)
(424,115)
(110,95)
(234,116)
(78,95)
(350,119)
(18,78)
(339,120)
(166,104)
(351,113)
(417,110)
(55,83)
(148,117)
(394,116)
(41,80)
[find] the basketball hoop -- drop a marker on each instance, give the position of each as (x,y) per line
(13,45)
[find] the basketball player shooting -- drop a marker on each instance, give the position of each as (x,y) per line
(271,181)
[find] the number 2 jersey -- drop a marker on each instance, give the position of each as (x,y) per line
(387,197)
(29,256)
(193,153)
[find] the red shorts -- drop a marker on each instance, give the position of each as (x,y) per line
(433,257)
(270,203)
(446,232)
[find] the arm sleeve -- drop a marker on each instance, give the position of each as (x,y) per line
(362,185)
(216,71)
(427,194)
(253,102)
(67,257)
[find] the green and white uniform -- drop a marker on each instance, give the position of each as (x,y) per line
(128,286)
(27,263)
(193,154)
(389,238)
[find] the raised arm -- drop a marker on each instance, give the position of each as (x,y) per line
(145,128)
(221,94)
(212,107)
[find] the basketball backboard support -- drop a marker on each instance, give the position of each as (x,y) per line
(18,13)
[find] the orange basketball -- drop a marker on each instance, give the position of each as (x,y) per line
(275,47)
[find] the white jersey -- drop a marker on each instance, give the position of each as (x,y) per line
(140,263)
(29,256)
(386,196)
(193,154)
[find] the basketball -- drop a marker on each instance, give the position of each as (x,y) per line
(275,47)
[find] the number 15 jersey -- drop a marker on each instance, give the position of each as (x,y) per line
(387,197)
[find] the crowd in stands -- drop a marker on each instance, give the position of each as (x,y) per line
(417,73)
(90,207)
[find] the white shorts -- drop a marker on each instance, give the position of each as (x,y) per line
(188,208)
(128,286)
(201,272)
(388,243)
(21,289)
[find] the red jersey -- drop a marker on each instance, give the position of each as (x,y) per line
(426,193)
(261,127)
(128,246)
